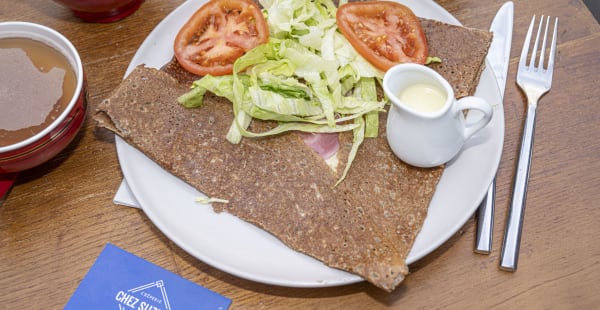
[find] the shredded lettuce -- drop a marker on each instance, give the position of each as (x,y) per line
(432,60)
(208,200)
(307,78)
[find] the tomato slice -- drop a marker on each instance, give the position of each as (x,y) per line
(385,33)
(219,33)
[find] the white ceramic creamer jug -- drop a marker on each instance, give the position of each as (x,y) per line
(426,126)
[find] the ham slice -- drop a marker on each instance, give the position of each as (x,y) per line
(325,144)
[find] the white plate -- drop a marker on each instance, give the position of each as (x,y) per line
(241,249)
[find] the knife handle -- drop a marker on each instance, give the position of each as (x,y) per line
(485,221)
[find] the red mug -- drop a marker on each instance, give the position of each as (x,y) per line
(101,11)
(53,138)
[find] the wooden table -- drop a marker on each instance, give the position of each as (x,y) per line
(60,215)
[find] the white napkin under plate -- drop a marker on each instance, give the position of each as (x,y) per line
(125,197)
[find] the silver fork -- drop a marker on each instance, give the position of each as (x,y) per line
(535,79)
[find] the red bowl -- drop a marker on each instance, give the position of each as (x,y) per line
(51,140)
(101,11)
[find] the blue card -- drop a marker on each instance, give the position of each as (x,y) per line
(123,281)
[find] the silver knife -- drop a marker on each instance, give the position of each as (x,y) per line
(498,56)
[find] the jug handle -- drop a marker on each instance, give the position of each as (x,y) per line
(474,103)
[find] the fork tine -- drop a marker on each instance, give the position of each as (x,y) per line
(525,50)
(553,48)
(543,49)
(535,44)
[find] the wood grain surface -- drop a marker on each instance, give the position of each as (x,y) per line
(59,216)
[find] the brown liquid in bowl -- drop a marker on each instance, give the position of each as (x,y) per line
(36,84)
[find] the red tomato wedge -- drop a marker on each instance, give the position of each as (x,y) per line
(385,33)
(218,34)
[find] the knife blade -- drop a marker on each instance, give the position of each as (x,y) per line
(498,57)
